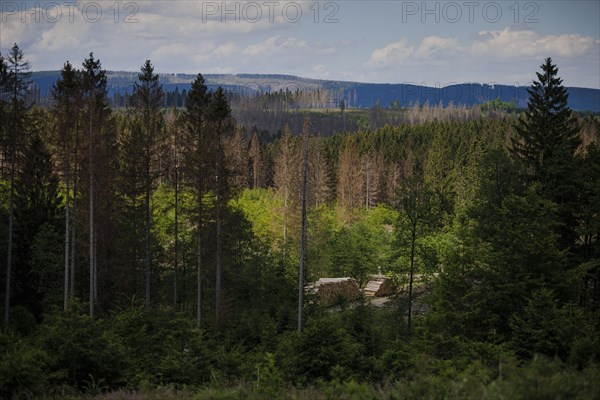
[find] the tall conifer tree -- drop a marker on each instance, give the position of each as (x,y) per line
(147,99)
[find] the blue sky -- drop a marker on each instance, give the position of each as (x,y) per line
(433,43)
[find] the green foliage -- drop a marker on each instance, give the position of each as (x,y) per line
(260,208)
(94,387)
(543,378)
(45,259)
(548,136)
(160,349)
(353,253)
(78,347)
(184,356)
(269,379)
(23,366)
(322,350)
(484,230)
(543,327)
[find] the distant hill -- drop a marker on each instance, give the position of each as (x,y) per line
(355,94)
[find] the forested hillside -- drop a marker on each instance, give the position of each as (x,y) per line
(323,94)
(153,252)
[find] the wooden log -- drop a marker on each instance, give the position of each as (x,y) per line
(331,291)
(379,286)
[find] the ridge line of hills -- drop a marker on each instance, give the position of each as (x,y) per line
(354,94)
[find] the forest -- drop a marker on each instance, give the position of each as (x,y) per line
(164,253)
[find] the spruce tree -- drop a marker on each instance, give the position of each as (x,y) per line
(219,115)
(285,179)
(94,91)
(67,97)
(17,89)
(147,99)
(37,209)
(548,130)
(197,166)
(546,142)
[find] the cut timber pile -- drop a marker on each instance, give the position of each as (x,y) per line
(331,291)
(379,286)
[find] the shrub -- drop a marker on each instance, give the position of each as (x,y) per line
(79,347)
(323,345)
(22,366)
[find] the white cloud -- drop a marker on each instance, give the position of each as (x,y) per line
(433,46)
(508,55)
(320,71)
(170,50)
(179,36)
(275,45)
(226,50)
(502,44)
(392,54)
(513,43)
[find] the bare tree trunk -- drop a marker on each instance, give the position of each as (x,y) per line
(13,156)
(67,232)
(219,271)
(176,232)
(92,241)
(303,237)
(73,229)
(285,211)
(368,187)
(218,255)
(411,274)
(95,269)
(147,244)
(184,303)
(199,259)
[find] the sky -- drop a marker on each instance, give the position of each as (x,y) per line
(435,43)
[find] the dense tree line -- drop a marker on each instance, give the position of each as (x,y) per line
(151,245)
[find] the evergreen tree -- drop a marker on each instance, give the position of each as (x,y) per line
(3,98)
(303,216)
(350,179)
(236,157)
(541,328)
(17,88)
(286,180)
(67,97)
(131,173)
(37,210)
(94,90)
(548,130)
(175,149)
(418,205)
(546,141)
(147,99)
(508,250)
(319,176)
(588,219)
(197,165)
(256,161)
(219,115)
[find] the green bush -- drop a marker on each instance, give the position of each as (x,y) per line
(160,348)
(79,347)
(22,366)
(184,358)
(323,345)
